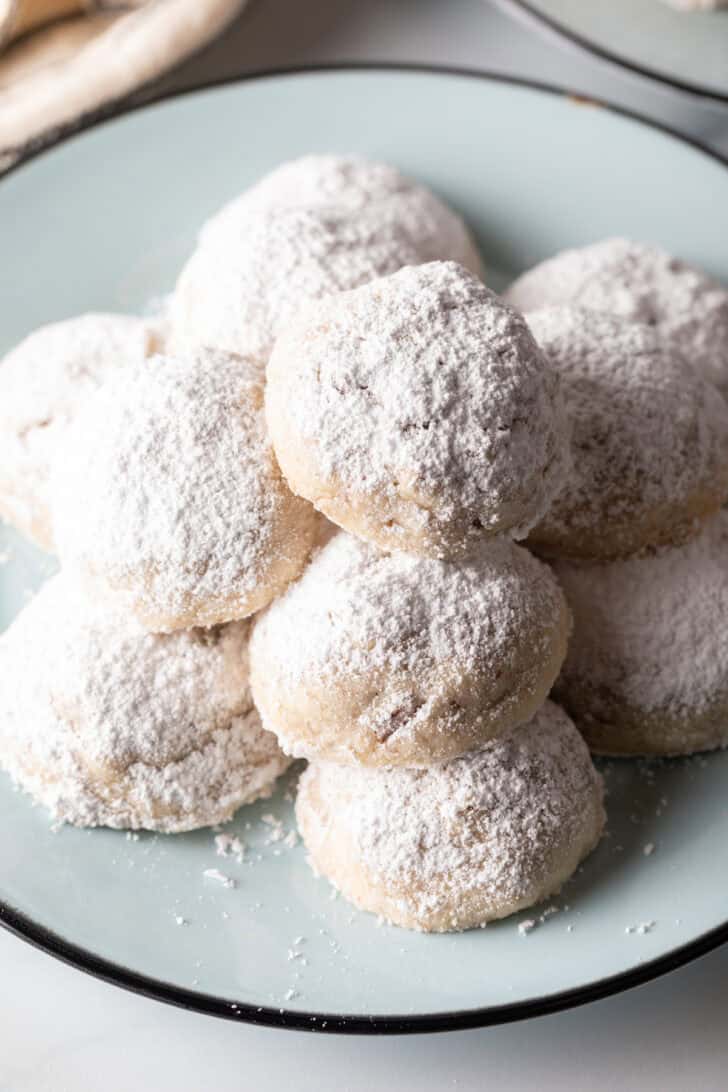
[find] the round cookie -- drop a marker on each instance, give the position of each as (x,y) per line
(643,284)
(107,725)
(647,667)
(649,439)
(169,499)
(239,287)
(43,382)
(457,845)
(418,413)
(388,659)
(361,187)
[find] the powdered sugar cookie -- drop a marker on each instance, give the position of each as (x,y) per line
(360,187)
(238,288)
(43,381)
(388,659)
(644,284)
(647,669)
(169,499)
(650,438)
(107,725)
(457,845)
(418,413)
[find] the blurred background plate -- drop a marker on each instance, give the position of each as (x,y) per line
(688,50)
(103,221)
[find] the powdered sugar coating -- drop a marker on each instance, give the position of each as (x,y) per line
(360,187)
(642,283)
(418,413)
(456,845)
(43,382)
(650,438)
(169,499)
(240,286)
(390,659)
(107,725)
(647,669)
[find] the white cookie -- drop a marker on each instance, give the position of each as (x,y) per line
(107,725)
(360,187)
(418,413)
(641,283)
(647,668)
(649,438)
(457,845)
(43,382)
(169,499)
(240,287)
(388,659)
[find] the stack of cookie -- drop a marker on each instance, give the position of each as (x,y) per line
(288,514)
(411,662)
(637,538)
(138,451)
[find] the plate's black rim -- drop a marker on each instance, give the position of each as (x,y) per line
(148,96)
(535,17)
(25,928)
(353,1024)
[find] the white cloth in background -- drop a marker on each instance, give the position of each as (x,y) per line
(63,59)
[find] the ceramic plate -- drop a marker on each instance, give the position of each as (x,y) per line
(688,50)
(103,221)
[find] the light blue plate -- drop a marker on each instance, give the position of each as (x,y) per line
(103,221)
(688,50)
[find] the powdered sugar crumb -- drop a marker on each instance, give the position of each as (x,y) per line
(531,923)
(228,845)
(641,929)
(219,877)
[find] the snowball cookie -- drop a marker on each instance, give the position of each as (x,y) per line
(43,381)
(650,438)
(644,284)
(240,286)
(361,187)
(388,659)
(457,845)
(169,499)
(647,668)
(418,413)
(107,725)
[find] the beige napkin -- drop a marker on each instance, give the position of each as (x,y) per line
(63,59)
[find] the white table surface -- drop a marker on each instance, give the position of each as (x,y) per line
(61,1031)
